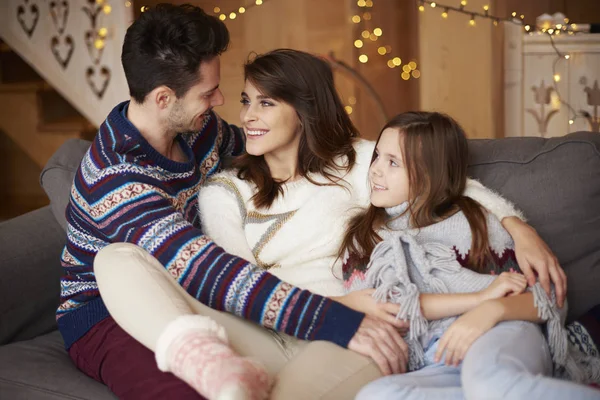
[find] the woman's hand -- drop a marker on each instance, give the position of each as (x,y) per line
(363,301)
(465,330)
(507,283)
(533,254)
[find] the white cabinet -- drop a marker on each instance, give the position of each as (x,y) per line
(534,75)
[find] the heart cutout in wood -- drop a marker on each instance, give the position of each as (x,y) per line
(95,53)
(59,10)
(63,58)
(98,82)
(22,11)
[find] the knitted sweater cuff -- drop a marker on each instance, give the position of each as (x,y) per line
(340,324)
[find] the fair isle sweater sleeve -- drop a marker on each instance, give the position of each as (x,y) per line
(491,201)
(233,143)
(221,209)
(128,208)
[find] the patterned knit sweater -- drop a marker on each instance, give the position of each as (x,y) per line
(298,238)
(125,191)
(412,261)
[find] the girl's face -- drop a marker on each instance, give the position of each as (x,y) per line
(388,175)
(271,127)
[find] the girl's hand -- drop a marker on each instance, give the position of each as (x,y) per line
(465,330)
(533,254)
(363,301)
(507,283)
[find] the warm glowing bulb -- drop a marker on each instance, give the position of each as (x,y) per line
(259,2)
(486,7)
(433,5)
(416,74)
(472,22)
(356,19)
(377,31)
(556,78)
(232,15)
(551,31)
(397,61)
(216,10)
(361,3)
(363,58)
(365,34)
(390,64)
(412,65)
(405,76)
(369,3)
(514,14)
(373,37)
(222,17)
(495,22)
(567,56)
(107,9)
(348,109)
(421,7)
(463,3)
(99,44)
(406,68)
(527,28)
(358,43)
(571,122)
(102,32)
(242,10)
(127,4)
(445,14)
(381,50)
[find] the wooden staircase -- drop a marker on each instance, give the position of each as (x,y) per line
(35,120)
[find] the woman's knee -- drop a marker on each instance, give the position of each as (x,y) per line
(110,258)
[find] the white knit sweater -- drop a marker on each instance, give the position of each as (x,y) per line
(298,237)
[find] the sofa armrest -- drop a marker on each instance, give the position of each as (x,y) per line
(30,248)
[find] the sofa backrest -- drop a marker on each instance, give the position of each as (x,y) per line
(556,182)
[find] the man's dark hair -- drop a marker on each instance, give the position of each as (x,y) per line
(166,45)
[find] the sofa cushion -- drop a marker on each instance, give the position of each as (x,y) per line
(556,182)
(57,176)
(30,247)
(41,369)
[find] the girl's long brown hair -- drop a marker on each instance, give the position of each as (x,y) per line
(306,83)
(435,156)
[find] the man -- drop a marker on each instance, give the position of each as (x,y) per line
(138,183)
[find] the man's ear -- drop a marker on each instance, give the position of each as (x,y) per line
(162,97)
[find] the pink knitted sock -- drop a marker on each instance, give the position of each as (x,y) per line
(195,349)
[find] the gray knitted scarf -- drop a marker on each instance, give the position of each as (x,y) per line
(413,261)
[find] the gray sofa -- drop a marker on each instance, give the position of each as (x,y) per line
(555,181)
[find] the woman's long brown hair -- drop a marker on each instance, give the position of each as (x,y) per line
(435,154)
(306,83)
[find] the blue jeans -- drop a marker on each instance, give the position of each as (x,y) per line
(510,362)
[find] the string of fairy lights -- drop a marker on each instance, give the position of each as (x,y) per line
(370,34)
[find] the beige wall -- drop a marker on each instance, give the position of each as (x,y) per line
(457,64)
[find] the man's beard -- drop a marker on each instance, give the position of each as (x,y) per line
(179,122)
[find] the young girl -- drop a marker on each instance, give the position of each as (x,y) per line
(438,254)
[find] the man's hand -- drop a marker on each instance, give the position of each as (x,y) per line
(381,342)
(362,301)
(533,254)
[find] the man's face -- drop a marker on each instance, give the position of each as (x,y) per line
(188,112)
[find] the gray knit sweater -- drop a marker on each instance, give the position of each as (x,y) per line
(413,261)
